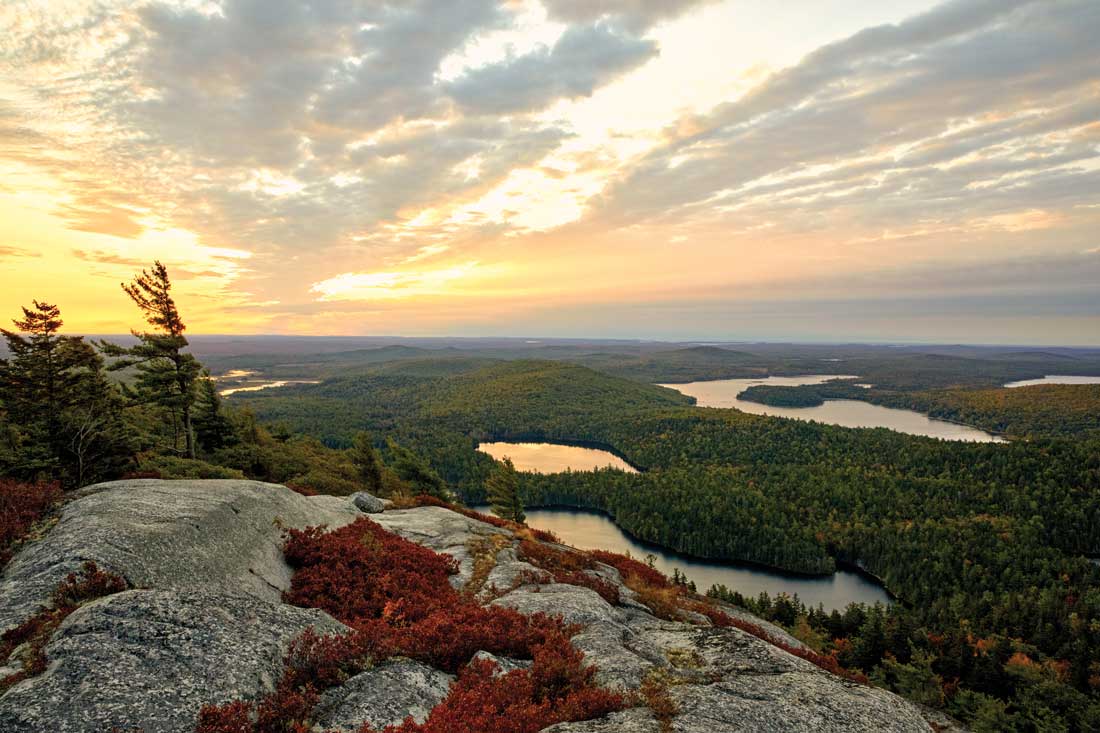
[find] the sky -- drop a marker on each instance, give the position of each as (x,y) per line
(814,170)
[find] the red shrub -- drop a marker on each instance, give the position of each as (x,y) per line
(568,566)
(553,558)
(628,566)
(362,572)
(86,585)
(234,717)
(303,490)
(397,596)
(556,689)
(76,589)
(21,505)
(607,590)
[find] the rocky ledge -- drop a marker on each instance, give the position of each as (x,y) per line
(204,622)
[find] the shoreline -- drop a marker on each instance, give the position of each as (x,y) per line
(841,565)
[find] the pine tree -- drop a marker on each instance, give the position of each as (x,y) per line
(166,374)
(213,429)
(367,462)
(415,471)
(502,490)
(64,417)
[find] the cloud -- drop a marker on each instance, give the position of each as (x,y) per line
(108,258)
(383,285)
(372,150)
(88,214)
(633,14)
(583,59)
(284,125)
(16,253)
(970,109)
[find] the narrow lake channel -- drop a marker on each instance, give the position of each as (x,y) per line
(590,530)
(845,413)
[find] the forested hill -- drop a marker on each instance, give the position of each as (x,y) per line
(470,396)
(893,368)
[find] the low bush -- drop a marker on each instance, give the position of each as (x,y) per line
(397,597)
(629,568)
(75,590)
(568,566)
(22,505)
(326,482)
(605,588)
(558,688)
(177,467)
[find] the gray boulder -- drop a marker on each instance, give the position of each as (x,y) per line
(575,605)
(385,695)
(220,535)
(149,660)
(727,680)
(368,503)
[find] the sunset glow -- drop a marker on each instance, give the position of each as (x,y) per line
(734,169)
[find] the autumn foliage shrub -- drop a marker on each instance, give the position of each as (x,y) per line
(605,588)
(629,568)
(568,566)
(397,597)
(21,506)
(235,717)
(558,688)
(76,589)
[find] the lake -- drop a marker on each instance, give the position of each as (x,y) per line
(256,387)
(554,458)
(846,413)
(1054,379)
(588,530)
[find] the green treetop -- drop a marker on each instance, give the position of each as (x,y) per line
(502,490)
(166,374)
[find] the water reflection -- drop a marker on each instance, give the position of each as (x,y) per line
(594,531)
(554,458)
(256,387)
(1054,379)
(846,413)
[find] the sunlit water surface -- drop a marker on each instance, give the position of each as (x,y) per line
(846,413)
(1054,379)
(554,458)
(594,531)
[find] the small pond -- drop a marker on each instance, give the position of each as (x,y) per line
(554,457)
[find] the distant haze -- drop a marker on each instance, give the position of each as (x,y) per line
(804,170)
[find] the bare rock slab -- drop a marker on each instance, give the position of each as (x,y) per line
(382,696)
(149,660)
(223,535)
